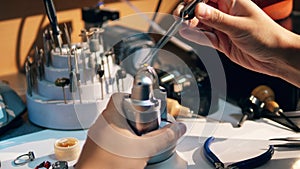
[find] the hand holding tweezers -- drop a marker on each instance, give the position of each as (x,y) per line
(245,164)
(187,13)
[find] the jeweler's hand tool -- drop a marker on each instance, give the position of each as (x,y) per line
(187,13)
(251,109)
(62,82)
(286,139)
(175,109)
(67,35)
(121,74)
(266,95)
(41,64)
(51,13)
(289,142)
(28,70)
(143,108)
(245,164)
(110,79)
(73,84)
(100,73)
(47,47)
(77,74)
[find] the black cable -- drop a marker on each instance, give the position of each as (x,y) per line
(155,14)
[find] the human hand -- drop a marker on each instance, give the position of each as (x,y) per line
(243,32)
(112,144)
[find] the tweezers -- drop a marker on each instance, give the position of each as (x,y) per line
(245,164)
(187,13)
(292,142)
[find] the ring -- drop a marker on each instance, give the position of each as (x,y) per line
(24,158)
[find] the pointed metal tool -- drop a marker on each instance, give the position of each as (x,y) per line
(100,73)
(51,13)
(62,82)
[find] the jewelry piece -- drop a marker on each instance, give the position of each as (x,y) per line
(60,165)
(245,164)
(24,158)
(44,164)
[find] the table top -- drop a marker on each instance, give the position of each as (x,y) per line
(232,144)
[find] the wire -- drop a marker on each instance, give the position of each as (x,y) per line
(155,14)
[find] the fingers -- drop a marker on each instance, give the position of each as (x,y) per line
(202,37)
(192,23)
(165,138)
(214,17)
(178,9)
(172,131)
(228,16)
(132,146)
(209,16)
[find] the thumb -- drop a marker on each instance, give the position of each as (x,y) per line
(214,18)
